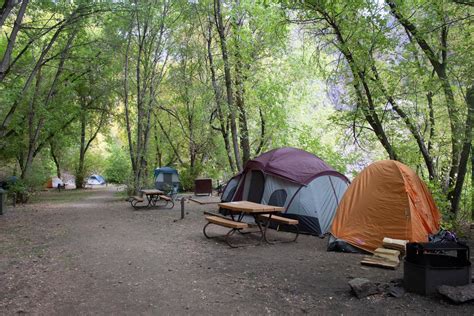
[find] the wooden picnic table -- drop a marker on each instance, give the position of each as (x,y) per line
(152,196)
(238,210)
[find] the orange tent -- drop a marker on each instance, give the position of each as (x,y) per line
(387,199)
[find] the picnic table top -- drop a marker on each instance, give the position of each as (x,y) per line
(152,191)
(250,207)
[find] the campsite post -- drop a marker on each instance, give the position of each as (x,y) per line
(3,195)
(182,207)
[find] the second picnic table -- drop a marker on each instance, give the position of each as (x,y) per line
(152,195)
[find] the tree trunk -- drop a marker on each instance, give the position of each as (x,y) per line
(26,86)
(82,145)
(455,194)
(218,98)
(361,87)
(159,154)
(228,82)
(56,160)
(262,132)
(410,125)
(32,132)
(440,70)
(126,104)
(170,141)
(240,102)
(429,98)
(240,92)
(5,62)
(472,182)
(5,10)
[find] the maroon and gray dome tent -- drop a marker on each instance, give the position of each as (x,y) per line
(306,186)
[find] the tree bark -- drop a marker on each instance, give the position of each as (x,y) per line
(240,102)
(159,154)
(55,160)
(472,182)
(429,98)
(240,92)
(262,132)
(455,194)
(126,101)
(82,145)
(228,82)
(218,97)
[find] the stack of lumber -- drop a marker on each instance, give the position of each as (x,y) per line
(397,244)
(388,256)
(384,258)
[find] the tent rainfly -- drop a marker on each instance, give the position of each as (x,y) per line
(166,177)
(387,199)
(306,186)
(95,179)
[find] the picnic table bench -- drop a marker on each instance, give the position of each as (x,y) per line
(282,220)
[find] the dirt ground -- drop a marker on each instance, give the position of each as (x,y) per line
(89,252)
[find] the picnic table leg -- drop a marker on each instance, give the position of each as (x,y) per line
(204,230)
(262,233)
(134,202)
(264,229)
(154,199)
(230,233)
(226,237)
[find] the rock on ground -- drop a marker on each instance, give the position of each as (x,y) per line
(363,287)
(458,294)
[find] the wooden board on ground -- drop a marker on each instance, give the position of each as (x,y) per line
(206,199)
(390,254)
(379,262)
(397,244)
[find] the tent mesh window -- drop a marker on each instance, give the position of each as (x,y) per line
(278,198)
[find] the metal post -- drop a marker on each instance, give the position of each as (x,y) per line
(182,207)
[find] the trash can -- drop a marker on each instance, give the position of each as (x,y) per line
(203,186)
(3,199)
